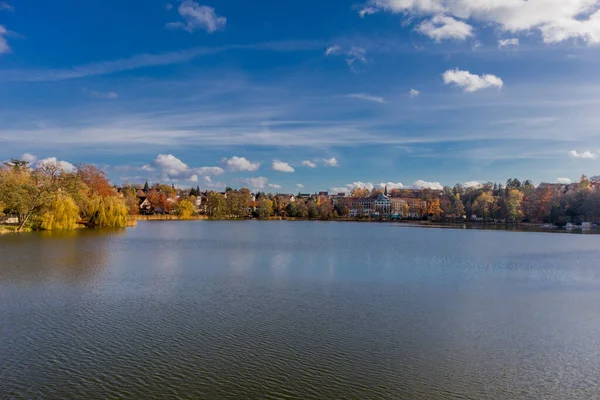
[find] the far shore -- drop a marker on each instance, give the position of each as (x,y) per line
(520,227)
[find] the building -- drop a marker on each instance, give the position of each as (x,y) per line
(382,204)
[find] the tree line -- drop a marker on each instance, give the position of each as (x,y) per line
(48,197)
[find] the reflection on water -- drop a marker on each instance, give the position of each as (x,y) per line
(300,310)
(60,256)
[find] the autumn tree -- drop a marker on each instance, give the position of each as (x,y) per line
(325,208)
(434,208)
(108,212)
(485,204)
(62,213)
(25,191)
(184,209)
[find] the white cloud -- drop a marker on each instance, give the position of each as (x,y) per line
(586,155)
(471,82)
(555,20)
(198,17)
(240,164)
(309,164)
(334,50)
(564,181)
(64,165)
(30,158)
(472,184)
(299,186)
(367,11)
(4,47)
(508,42)
(331,162)
(274,186)
(442,27)
(413,93)
(256,183)
(391,185)
(102,95)
(282,166)
(348,188)
(6,7)
(170,167)
(427,185)
(367,97)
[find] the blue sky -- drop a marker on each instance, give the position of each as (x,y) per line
(278,95)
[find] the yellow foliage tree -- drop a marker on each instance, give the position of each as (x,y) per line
(185,209)
(109,212)
(61,214)
(435,208)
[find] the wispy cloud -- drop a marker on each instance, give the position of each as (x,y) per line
(198,17)
(508,42)
(144,60)
(471,82)
(413,93)
(299,186)
(102,95)
(564,181)
(309,164)
(6,7)
(367,97)
(4,47)
(351,55)
(274,186)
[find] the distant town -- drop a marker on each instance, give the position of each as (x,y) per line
(48,198)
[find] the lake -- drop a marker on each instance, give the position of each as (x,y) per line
(299,310)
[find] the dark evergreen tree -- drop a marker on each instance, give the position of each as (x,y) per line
(146,187)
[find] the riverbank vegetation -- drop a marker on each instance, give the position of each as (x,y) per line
(48,197)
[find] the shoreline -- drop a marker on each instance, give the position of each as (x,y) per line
(522,227)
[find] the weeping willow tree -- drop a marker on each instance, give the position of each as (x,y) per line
(108,212)
(62,213)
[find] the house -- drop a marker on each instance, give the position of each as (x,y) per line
(9,220)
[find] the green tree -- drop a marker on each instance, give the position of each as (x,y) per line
(215,205)
(514,207)
(265,208)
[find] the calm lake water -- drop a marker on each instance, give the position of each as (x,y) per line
(299,310)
